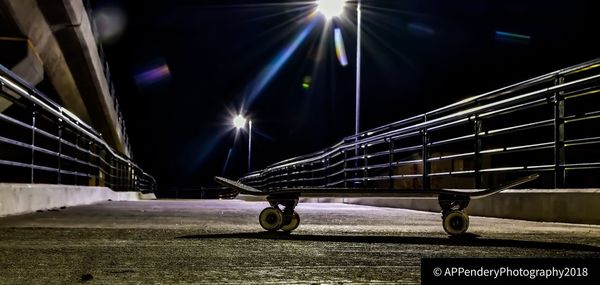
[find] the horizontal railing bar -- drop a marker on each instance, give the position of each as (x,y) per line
(448,125)
(42,150)
(337,173)
(514,168)
(405,176)
(406,162)
(452,140)
(27,165)
(528,126)
(377,166)
(574,142)
(583,117)
(514,108)
(378,178)
(509,149)
(335,164)
(405,135)
(580,93)
(408,148)
(583,164)
(451,156)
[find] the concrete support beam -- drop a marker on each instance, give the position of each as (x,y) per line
(20,56)
(73,30)
(31,23)
(22,59)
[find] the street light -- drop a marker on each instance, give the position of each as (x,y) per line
(334,8)
(331,8)
(239,122)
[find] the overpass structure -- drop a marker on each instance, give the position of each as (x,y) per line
(71,134)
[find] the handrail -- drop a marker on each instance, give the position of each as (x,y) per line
(357,152)
(341,145)
(39,100)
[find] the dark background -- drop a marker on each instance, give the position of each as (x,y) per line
(417,55)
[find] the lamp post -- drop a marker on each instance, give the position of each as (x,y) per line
(358,63)
(239,122)
(249,144)
(334,8)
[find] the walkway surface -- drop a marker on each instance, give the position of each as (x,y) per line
(211,241)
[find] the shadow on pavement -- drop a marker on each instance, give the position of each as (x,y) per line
(463,240)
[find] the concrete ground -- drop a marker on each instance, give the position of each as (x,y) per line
(168,241)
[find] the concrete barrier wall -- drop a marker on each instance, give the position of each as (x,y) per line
(26,198)
(564,205)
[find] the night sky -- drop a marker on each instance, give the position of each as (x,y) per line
(182,68)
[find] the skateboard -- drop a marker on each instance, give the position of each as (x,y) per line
(281,215)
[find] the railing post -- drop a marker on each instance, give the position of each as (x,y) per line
(425,157)
(391,161)
(111,176)
(60,130)
(122,175)
(326,172)
(477,128)
(312,174)
(344,169)
(90,168)
(77,157)
(365,165)
(119,173)
(130,177)
(33,145)
(559,135)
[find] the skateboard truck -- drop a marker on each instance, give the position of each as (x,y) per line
(281,214)
(455,219)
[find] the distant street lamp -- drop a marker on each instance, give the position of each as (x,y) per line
(335,8)
(239,122)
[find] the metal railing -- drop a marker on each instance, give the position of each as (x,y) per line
(41,142)
(548,124)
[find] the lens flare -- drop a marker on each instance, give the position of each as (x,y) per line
(512,37)
(153,75)
(340,49)
(110,22)
(419,29)
(269,72)
(306,82)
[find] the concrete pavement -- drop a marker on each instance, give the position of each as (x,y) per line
(208,241)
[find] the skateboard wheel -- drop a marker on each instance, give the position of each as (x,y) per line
(271,219)
(294,221)
(456,222)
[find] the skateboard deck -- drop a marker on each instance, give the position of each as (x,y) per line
(321,192)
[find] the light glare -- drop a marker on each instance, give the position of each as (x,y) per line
(331,8)
(340,50)
(239,122)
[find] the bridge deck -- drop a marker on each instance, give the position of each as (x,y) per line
(217,241)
